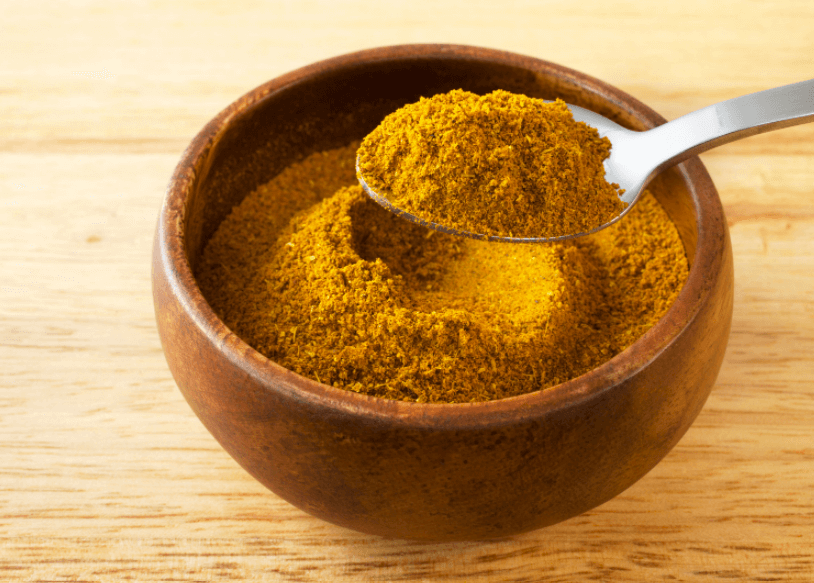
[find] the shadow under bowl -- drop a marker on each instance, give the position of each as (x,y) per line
(409,470)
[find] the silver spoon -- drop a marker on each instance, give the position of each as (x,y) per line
(636,157)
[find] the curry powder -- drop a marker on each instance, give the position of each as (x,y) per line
(319,278)
(500,164)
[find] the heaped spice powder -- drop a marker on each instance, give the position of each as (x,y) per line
(500,164)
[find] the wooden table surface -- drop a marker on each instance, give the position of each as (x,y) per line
(106,473)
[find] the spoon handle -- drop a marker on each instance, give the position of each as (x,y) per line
(732,120)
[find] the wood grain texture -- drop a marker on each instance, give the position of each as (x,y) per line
(106,473)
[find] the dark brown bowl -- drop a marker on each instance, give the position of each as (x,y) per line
(438,472)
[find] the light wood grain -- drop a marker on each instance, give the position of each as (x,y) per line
(106,473)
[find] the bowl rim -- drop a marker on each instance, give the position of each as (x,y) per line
(171,238)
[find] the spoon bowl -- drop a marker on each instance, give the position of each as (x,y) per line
(636,157)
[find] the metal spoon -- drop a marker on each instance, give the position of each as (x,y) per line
(636,157)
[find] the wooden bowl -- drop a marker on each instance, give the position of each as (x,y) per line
(436,472)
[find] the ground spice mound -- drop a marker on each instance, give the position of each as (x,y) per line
(316,276)
(500,164)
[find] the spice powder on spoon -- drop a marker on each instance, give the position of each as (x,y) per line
(500,164)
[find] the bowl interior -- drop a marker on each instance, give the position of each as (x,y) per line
(327,107)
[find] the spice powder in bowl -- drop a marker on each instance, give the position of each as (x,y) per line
(319,278)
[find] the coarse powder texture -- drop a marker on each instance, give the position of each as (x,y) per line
(319,278)
(500,164)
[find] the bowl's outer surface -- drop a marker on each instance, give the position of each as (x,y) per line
(439,472)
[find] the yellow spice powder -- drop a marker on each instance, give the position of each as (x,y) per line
(500,164)
(316,276)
